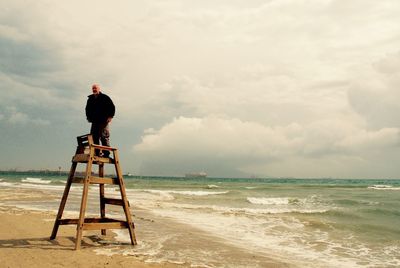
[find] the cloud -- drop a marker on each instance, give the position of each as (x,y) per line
(262,86)
(13,116)
(374,92)
(202,142)
(18,117)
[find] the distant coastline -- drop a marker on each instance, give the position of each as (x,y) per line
(35,171)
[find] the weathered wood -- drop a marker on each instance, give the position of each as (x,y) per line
(84,158)
(63,201)
(96,180)
(90,220)
(114,201)
(125,199)
(68,221)
(102,147)
(84,200)
(102,160)
(81,158)
(105,225)
(101,193)
(85,153)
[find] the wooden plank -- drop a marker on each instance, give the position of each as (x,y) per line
(68,221)
(63,201)
(113,201)
(84,158)
(105,160)
(104,180)
(96,180)
(105,225)
(84,201)
(89,220)
(101,193)
(81,158)
(102,147)
(131,225)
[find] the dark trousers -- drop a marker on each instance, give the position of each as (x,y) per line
(101,132)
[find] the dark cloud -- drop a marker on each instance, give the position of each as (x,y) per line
(26,59)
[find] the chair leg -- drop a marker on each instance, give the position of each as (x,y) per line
(81,221)
(63,201)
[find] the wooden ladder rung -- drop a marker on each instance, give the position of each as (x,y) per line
(97,223)
(106,225)
(114,201)
(84,158)
(105,160)
(97,180)
(81,158)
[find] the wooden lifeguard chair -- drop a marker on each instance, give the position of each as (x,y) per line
(87,152)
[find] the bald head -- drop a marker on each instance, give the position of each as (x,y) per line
(95,89)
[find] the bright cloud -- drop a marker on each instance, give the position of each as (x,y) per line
(220,140)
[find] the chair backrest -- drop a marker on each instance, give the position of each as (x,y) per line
(84,142)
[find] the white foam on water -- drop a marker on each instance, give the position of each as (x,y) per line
(1,179)
(8,184)
(250,187)
(271,200)
(282,237)
(194,193)
(244,210)
(122,236)
(152,250)
(52,188)
(148,250)
(40,186)
(384,187)
(36,180)
(212,186)
(152,195)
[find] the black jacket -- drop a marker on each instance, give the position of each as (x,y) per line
(99,109)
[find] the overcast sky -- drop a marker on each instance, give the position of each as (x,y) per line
(282,88)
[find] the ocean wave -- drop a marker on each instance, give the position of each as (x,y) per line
(212,186)
(278,210)
(4,183)
(193,193)
(249,211)
(43,186)
(36,180)
(384,187)
(272,200)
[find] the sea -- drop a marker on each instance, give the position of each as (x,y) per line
(323,222)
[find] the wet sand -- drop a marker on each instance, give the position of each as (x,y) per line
(24,241)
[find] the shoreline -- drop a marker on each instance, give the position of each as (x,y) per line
(25,241)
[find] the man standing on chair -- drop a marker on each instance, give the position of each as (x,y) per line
(99,111)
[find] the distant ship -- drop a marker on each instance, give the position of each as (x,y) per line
(196,175)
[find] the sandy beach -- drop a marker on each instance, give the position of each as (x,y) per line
(24,240)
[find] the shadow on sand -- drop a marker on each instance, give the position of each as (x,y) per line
(61,243)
